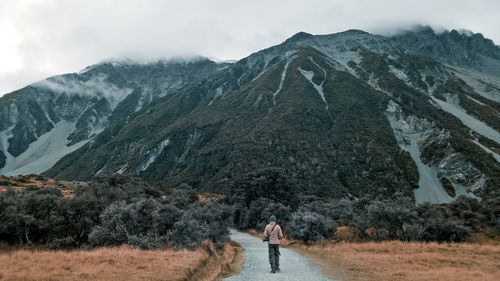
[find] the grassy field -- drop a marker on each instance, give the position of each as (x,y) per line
(405,261)
(120,263)
(396,260)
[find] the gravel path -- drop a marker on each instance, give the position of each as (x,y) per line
(256,266)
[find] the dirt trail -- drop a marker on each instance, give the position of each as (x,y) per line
(256,266)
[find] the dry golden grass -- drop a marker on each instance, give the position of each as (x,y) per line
(397,260)
(20,182)
(121,263)
(346,233)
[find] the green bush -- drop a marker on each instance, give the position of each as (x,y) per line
(309,226)
(108,211)
(188,233)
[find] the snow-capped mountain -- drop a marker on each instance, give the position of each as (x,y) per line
(345,114)
(48,119)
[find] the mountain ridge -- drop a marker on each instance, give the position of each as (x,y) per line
(344,114)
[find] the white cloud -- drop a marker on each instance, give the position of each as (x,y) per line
(41,37)
(97,86)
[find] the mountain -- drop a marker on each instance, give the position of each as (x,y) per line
(46,120)
(337,115)
(462,49)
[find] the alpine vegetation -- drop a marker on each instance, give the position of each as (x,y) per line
(347,136)
(111,211)
(309,217)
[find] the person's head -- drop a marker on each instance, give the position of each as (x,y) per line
(272,219)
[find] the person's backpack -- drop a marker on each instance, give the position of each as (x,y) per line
(266,239)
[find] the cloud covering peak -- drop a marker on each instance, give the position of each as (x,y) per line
(48,37)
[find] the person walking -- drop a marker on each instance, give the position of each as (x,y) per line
(273,234)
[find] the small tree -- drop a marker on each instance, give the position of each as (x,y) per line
(188,233)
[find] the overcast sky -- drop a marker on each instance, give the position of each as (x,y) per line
(39,38)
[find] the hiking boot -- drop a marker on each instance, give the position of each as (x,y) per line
(278,270)
(273,271)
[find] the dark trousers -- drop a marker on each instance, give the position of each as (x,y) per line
(274,256)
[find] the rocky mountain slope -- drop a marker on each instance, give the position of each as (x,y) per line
(345,114)
(46,120)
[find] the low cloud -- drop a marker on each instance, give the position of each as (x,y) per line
(94,87)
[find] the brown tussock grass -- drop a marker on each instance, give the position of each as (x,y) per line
(233,263)
(478,259)
(21,182)
(396,260)
(119,263)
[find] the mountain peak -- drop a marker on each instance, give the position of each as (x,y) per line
(353,32)
(300,36)
(456,47)
(120,63)
(422,29)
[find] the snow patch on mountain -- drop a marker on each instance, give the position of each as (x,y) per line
(489,151)
(452,106)
(41,154)
(410,132)
(476,101)
(263,61)
(5,135)
(192,139)
(460,172)
(151,156)
(122,169)
(258,75)
(481,84)
(100,170)
(343,47)
(319,88)
(280,86)
(461,190)
(145,99)
(218,94)
(398,73)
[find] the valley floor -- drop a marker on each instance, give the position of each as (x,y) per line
(120,263)
(397,260)
(393,260)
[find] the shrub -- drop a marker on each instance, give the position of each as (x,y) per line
(445,231)
(146,242)
(346,233)
(282,214)
(148,224)
(168,215)
(188,233)
(41,178)
(272,183)
(217,219)
(108,211)
(309,226)
(182,198)
(136,224)
(252,217)
(62,243)
(412,232)
(377,234)
(257,215)
(389,216)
